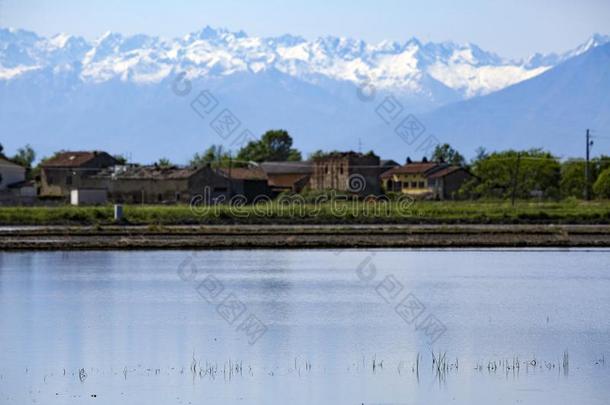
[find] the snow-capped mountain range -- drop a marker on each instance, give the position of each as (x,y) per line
(410,67)
(115,92)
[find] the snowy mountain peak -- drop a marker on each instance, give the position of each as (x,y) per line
(285,40)
(553,59)
(595,40)
(60,40)
(108,36)
(214,35)
(413,42)
(114,92)
(407,68)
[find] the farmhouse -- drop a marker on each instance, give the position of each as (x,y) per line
(158,185)
(66,171)
(436,180)
(10,173)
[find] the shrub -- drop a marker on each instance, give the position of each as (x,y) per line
(601,188)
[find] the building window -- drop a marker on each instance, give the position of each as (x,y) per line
(421,184)
(413,184)
(341,169)
(398,186)
(69,180)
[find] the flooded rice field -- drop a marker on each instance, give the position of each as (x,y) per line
(305,327)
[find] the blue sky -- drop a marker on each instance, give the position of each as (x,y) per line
(512,28)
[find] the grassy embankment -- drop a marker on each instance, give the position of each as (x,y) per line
(575,212)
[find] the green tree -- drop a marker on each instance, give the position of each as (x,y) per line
(481,153)
(573,175)
(518,173)
(572,178)
(214,156)
(274,146)
(164,163)
(601,188)
(25,156)
(445,153)
(318,154)
(122,160)
(600,164)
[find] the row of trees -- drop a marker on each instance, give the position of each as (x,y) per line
(274,146)
(507,174)
(525,174)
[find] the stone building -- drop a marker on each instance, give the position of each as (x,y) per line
(66,171)
(347,171)
(159,185)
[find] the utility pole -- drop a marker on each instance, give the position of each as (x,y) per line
(515,181)
(230,180)
(587,170)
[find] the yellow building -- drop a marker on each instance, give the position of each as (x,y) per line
(425,180)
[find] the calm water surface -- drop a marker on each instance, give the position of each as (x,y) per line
(305,327)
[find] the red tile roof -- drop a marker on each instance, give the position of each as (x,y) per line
(444,172)
(70,159)
(412,168)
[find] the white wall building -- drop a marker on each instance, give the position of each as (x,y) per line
(10,173)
